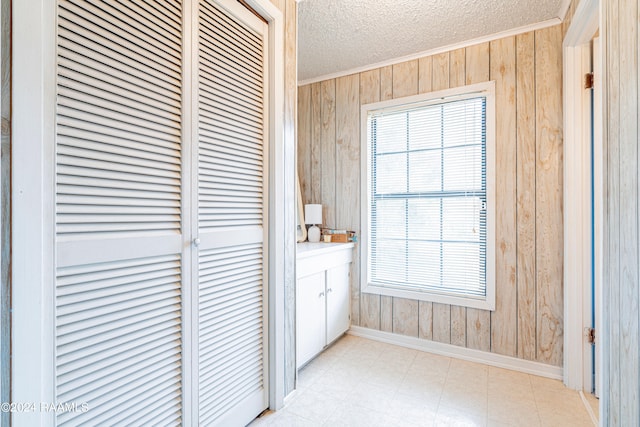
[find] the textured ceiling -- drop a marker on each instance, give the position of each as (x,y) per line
(339,35)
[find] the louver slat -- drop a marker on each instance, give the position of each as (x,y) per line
(107,355)
(118,294)
(231,322)
(231,213)
(231,122)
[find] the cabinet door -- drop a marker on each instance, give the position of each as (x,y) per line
(310,317)
(338,302)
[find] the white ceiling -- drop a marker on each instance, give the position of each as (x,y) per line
(340,35)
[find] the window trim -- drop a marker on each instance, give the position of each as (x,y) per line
(486,89)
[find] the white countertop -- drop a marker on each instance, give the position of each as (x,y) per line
(307,249)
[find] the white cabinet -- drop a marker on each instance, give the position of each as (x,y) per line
(311,327)
(322,296)
(338,301)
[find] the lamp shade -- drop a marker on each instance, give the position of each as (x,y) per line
(313,214)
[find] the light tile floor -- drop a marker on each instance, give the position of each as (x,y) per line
(359,382)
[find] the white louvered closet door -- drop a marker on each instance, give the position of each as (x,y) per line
(119,227)
(231,221)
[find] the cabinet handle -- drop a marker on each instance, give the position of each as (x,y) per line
(329,290)
(321,295)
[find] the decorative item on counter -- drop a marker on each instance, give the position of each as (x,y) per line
(339,236)
(313,217)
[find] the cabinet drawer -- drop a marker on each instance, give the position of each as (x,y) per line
(306,266)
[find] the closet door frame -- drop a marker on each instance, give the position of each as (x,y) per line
(34,26)
(281,199)
(33,208)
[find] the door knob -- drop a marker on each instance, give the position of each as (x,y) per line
(196,242)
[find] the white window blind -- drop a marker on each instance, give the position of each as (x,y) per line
(428,197)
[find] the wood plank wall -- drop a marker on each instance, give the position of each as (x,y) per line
(527,69)
(290,13)
(621,335)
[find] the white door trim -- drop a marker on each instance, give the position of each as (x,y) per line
(33,250)
(577,192)
(279,194)
(599,196)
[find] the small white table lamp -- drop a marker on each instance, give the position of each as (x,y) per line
(313,216)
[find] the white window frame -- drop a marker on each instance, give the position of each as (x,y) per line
(487,90)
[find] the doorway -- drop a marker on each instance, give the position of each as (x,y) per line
(583,199)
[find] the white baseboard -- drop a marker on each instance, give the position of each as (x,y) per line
(587,406)
(289,397)
(492,359)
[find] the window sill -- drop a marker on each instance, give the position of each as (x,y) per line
(483,304)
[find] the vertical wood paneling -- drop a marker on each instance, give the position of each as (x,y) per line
(370,303)
(316,137)
(405,317)
(526,196)
(628,204)
(513,329)
(328,150)
(425,320)
(479,329)
(478,321)
(304,141)
(440,76)
(549,230)
(369,87)
(290,131)
(442,322)
(621,377)
(457,69)
(425,71)
(386,313)
(477,63)
(348,177)
(369,310)
(458,325)
(615,231)
(503,71)
(386,83)
(405,79)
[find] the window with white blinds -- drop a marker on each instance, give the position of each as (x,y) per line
(429,197)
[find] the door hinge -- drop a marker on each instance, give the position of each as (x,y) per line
(590,333)
(588,81)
